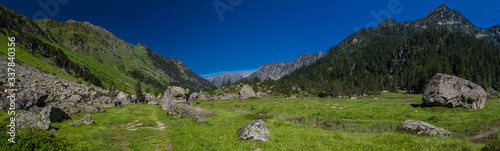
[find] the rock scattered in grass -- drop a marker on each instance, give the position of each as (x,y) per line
(422,128)
(256,130)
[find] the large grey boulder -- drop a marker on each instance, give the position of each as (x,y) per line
(26,98)
(422,128)
(74,98)
(54,114)
(87,119)
(178,94)
(124,98)
(166,101)
(246,92)
(148,97)
(191,98)
(73,108)
(452,91)
(95,95)
(26,119)
(256,130)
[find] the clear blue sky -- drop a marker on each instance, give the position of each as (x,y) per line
(255,32)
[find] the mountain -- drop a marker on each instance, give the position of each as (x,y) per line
(220,80)
(404,56)
(277,70)
(91,54)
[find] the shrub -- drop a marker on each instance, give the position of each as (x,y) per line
(492,146)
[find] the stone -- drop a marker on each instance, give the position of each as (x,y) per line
(199,119)
(54,114)
(75,98)
(293,97)
(260,94)
(36,109)
(186,110)
(148,97)
(166,101)
(53,131)
(422,128)
(124,98)
(191,98)
(256,130)
(178,94)
(452,91)
(26,119)
(27,98)
(385,91)
(94,95)
(87,119)
(246,92)
(74,108)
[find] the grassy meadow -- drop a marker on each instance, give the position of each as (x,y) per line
(311,124)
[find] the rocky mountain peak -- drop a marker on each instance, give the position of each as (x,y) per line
(443,15)
(495,29)
(387,23)
(142,45)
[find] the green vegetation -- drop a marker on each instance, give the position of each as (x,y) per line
(390,61)
(362,124)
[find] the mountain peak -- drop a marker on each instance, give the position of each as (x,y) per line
(387,23)
(443,15)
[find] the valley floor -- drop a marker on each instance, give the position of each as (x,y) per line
(313,124)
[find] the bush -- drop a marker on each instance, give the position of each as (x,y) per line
(37,139)
(492,146)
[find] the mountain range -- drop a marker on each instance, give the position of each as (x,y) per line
(221,80)
(405,55)
(88,53)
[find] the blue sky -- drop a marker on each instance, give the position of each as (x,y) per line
(252,32)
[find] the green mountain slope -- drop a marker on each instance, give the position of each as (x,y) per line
(92,54)
(405,55)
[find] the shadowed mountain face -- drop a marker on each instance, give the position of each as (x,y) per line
(405,55)
(277,70)
(93,54)
(220,80)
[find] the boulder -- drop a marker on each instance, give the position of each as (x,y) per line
(452,91)
(106,101)
(87,119)
(256,130)
(26,119)
(148,97)
(94,95)
(166,101)
(54,114)
(293,97)
(191,98)
(186,110)
(422,128)
(260,94)
(199,119)
(27,98)
(74,98)
(178,94)
(73,108)
(36,109)
(246,92)
(124,98)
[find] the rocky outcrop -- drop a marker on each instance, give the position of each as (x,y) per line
(191,98)
(124,98)
(172,107)
(54,114)
(277,70)
(452,91)
(87,119)
(422,128)
(27,98)
(73,108)
(219,80)
(256,130)
(95,95)
(178,94)
(26,119)
(199,119)
(246,92)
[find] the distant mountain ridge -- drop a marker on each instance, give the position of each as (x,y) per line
(90,53)
(277,70)
(220,80)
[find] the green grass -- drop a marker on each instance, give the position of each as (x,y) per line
(363,124)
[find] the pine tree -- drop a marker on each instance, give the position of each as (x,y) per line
(138,92)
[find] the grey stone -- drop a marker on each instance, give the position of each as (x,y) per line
(178,94)
(27,98)
(53,131)
(452,91)
(124,98)
(148,97)
(293,97)
(166,101)
(422,128)
(256,130)
(26,119)
(54,114)
(87,119)
(191,98)
(199,119)
(95,95)
(246,92)
(75,98)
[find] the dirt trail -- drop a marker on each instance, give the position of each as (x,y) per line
(478,138)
